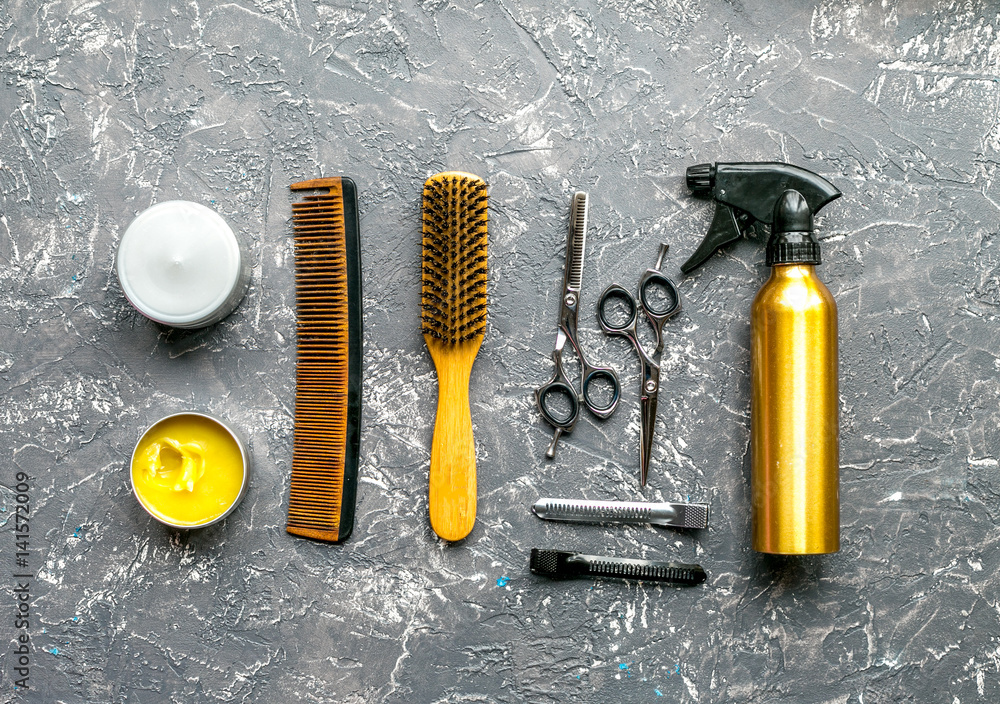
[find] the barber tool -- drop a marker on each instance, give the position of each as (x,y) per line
(794,471)
(328,363)
(659,300)
(560,385)
(564,565)
(454,323)
(180,264)
(676,515)
(190,470)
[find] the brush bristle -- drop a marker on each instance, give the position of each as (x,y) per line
(454,258)
(321,389)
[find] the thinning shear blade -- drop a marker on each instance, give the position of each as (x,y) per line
(577,242)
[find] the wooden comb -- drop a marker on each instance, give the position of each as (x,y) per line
(328,370)
(454,322)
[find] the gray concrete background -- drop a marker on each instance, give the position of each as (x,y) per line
(109,107)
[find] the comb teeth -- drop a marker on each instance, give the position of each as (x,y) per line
(321,468)
(678,515)
(659,572)
(454,257)
(559,564)
(577,240)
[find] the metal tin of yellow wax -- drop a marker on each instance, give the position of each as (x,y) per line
(189,470)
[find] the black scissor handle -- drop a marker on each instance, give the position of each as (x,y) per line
(595,374)
(612,325)
(563,421)
(659,310)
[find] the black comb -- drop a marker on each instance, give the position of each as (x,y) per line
(559,564)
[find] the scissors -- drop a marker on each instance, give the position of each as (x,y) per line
(560,385)
(652,286)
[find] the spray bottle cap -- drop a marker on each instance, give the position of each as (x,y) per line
(749,192)
(792,240)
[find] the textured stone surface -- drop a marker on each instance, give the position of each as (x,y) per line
(109,107)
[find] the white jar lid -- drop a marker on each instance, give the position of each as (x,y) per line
(180,264)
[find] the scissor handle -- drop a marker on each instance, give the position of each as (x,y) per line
(611,325)
(553,418)
(658,312)
(594,374)
(558,384)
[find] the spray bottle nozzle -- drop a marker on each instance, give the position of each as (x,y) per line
(792,240)
(747,192)
(701,178)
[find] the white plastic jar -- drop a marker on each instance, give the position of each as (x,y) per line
(180,264)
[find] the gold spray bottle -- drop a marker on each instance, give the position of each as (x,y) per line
(794,443)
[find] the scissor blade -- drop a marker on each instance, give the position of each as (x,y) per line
(577,241)
(647,426)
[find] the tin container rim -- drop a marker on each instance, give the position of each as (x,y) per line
(244,455)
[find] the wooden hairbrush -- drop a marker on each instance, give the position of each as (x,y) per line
(328,369)
(454,322)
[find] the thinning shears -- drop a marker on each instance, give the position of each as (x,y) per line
(618,313)
(591,378)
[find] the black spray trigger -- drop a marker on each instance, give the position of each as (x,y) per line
(745,193)
(728,225)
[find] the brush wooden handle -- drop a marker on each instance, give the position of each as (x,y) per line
(452,496)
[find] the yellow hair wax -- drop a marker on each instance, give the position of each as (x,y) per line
(188,470)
